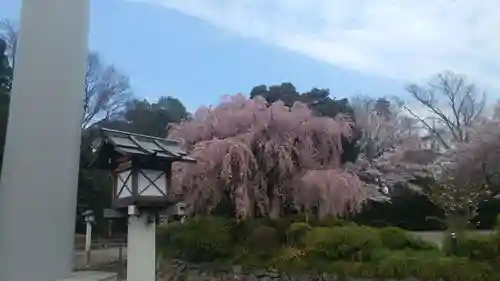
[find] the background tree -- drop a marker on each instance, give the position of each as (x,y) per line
(143,117)
(8,33)
(476,163)
(5,87)
(5,69)
(265,160)
(454,106)
(106,91)
(382,125)
(318,100)
(460,203)
(321,104)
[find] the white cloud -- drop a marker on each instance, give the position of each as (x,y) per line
(402,39)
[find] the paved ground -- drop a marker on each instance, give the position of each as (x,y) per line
(98,256)
(436,237)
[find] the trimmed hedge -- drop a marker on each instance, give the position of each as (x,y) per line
(476,247)
(346,249)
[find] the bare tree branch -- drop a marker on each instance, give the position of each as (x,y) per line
(429,128)
(381,123)
(451,100)
(8,32)
(106,91)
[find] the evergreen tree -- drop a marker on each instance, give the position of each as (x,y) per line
(5,69)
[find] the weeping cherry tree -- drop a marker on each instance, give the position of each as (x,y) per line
(266,160)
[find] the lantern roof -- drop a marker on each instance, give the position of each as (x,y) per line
(114,143)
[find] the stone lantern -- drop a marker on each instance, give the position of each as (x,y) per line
(141,170)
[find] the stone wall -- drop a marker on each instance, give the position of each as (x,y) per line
(177,270)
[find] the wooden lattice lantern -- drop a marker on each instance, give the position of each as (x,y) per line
(141,167)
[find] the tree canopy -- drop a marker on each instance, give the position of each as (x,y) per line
(321,104)
(5,69)
(262,157)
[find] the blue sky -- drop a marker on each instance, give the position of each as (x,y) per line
(199,50)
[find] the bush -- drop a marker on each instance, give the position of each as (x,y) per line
(345,251)
(297,232)
(199,239)
(342,243)
(397,266)
(398,239)
(263,240)
(475,247)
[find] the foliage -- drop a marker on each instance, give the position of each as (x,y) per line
(143,117)
(199,239)
(459,202)
(266,158)
(347,251)
(456,106)
(318,99)
(391,154)
(8,33)
(296,233)
(106,88)
(106,91)
(5,70)
(382,124)
(320,103)
(477,247)
(395,238)
(342,243)
(262,241)
(94,192)
(408,210)
(475,163)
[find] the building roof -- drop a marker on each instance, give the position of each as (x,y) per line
(127,143)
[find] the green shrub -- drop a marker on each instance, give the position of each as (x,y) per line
(297,232)
(396,238)
(399,265)
(463,269)
(242,229)
(199,239)
(496,225)
(263,239)
(475,247)
(342,243)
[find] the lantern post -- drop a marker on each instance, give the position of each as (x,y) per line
(141,168)
(89,220)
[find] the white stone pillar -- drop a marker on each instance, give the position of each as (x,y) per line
(141,251)
(39,180)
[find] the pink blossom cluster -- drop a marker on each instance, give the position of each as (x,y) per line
(264,157)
